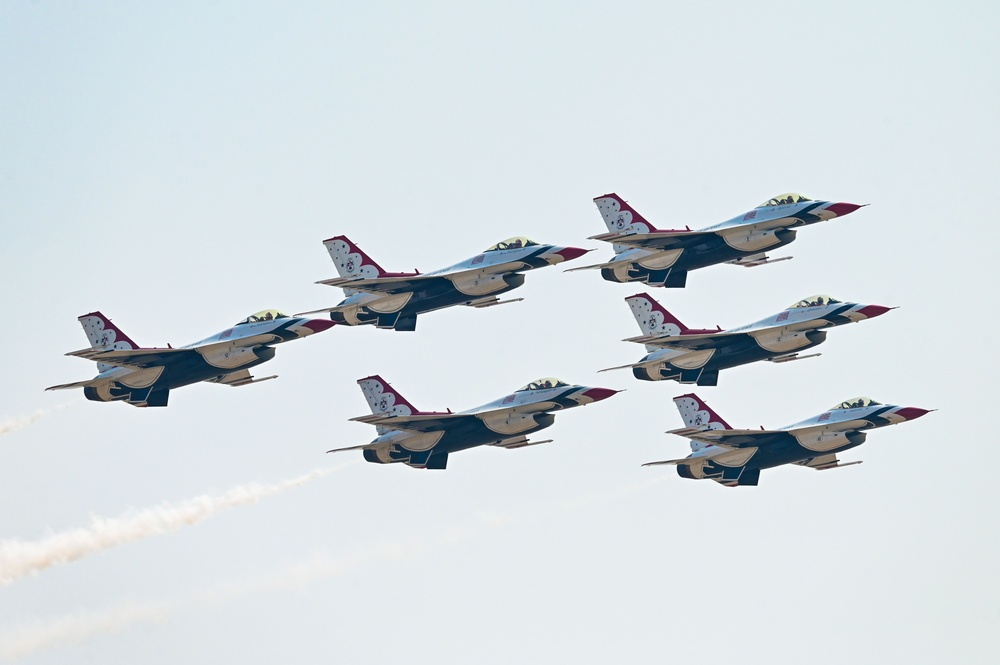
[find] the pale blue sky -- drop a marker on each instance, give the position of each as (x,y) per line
(177,165)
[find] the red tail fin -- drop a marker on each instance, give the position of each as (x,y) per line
(696,413)
(652,317)
(350,260)
(383,399)
(620,217)
(103,334)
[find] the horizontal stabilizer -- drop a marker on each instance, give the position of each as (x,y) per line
(365,446)
(369,419)
(611,369)
(669,461)
(600,266)
(490,302)
(78,384)
(340,281)
(518,442)
(325,310)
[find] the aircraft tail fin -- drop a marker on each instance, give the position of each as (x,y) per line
(350,261)
(696,413)
(620,217)
(383,399)
(653,318)
(105,335)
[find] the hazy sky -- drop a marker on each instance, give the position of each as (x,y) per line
(176,165)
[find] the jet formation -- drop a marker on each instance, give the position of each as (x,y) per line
(642,253)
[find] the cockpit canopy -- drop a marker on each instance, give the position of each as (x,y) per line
(516,242)
(543,384)
(856,403)
(264,315)
(784,199)
(815,301)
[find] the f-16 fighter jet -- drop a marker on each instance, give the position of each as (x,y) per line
(424,439)
(394,299)
(659,257)
(144,376)
(689,355)
(735,456)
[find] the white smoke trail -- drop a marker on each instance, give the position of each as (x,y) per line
(19,558)
(75,628)
(20,422)
(33,636)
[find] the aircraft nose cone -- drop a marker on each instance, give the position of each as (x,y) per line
(871,311)
(841,209)
(597,394)
(570,253)
(318,325)
(912,412)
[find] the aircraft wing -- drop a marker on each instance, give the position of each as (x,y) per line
(383,284)
(132,357)
(240,378)
(698,341)
(716,339)
(824,462)
(658,240)
(427,422)
(142,358)
(731,438)
(405,283)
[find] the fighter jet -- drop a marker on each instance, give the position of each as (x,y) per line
(424,439)
(659,257)
(734,457)
(394,299)
(144,376)
(689,355)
